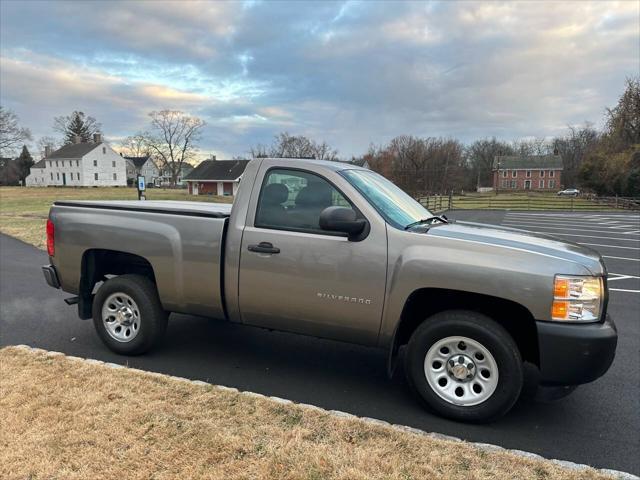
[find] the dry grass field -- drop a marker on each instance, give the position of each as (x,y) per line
(69,419)
(23,211)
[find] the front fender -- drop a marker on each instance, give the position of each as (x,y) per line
(418,261)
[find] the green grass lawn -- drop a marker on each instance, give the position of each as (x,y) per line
(23,211)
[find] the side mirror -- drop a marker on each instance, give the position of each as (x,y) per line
(341,219)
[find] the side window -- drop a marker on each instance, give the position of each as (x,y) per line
(293,200)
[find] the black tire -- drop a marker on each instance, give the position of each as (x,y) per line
(493,337)
(152,317)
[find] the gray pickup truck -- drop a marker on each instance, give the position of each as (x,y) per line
(336,251)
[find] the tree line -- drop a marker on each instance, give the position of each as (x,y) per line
(604,161)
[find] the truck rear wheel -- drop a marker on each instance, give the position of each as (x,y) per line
(464,366)
(127,314)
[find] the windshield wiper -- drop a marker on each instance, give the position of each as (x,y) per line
(442,219)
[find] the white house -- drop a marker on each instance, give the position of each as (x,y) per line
(216,177)
(80,164)
(144,166)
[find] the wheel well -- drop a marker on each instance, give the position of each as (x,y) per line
(97,264)
(515,318)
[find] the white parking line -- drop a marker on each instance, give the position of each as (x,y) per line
(623,290)
(565,222)
(608,246)
(621,277)
(622,258)
(595,236)
(557,228)
(576,214)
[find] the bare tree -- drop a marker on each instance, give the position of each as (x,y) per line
(481,155)
(173,138)
(574,148)
(77,124)
(44,142)
(286,145)
(136,145)
(623,120)
(532,146)
(12,135)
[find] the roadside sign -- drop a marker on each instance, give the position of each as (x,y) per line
(141,187)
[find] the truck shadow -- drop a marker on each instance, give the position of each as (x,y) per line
(329,374)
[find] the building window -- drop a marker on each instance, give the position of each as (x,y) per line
(541,184)
(505,184)
(113,164)
(95,163)
(542,173)
(56,163)
(77,163)
(514,173)
(504,174)
(528,173)
(95,176)
(50,163)
(51,175)
(552,184)
(514,184)
(58,175)
(115,176)
(104,150)
(552,173)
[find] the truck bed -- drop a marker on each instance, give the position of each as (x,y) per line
(182,242)
(197,209)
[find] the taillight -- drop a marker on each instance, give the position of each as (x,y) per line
(51,246)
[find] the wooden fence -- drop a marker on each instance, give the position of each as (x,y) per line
(439,203)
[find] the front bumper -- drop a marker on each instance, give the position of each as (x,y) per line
(51,276)
(572,354)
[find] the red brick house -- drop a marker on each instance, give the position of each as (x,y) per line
(533,172)
(216,177)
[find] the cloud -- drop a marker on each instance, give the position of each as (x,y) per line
(350,73)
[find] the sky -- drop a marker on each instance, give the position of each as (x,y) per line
(351,73)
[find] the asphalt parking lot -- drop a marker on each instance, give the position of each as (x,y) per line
(597,425)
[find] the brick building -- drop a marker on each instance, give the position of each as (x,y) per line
(533,172)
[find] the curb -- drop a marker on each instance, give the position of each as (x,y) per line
(487,447)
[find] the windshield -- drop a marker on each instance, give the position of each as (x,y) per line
(398,208)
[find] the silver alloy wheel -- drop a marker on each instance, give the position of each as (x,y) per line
(121,317)
(461,371)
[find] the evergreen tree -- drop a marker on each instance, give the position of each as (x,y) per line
(78,124)
(23,164)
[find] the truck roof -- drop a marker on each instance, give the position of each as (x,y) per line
(333,165)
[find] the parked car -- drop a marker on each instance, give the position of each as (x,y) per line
(569,192)
(333,250)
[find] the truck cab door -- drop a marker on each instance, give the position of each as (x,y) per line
(294,276)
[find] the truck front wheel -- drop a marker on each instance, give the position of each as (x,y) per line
(465,366)
(127,314)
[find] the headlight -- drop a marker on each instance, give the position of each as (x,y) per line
(576,299)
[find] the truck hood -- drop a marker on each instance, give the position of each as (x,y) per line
(522,240)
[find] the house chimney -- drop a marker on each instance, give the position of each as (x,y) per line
(97,138)
(47,151)
(77,139)
(213,157)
